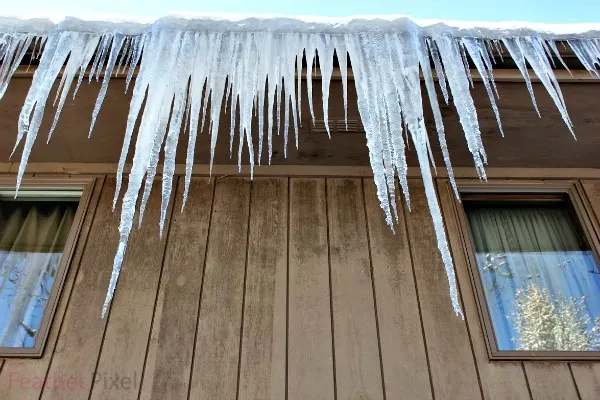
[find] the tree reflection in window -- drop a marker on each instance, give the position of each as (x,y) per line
(539,275)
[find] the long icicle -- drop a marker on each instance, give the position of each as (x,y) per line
(182,72)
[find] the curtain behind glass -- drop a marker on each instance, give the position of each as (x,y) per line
(541,281)
(33,235)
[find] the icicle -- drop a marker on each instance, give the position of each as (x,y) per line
(519,59)
(123,55)
(476,50)
(552,45)
(117,43)
(498,47)
(223,60)
(181,72)
(339,43)
(533,51)
(310,60)
(11,55)
(98,59)
(273,76)
(587,58)
(139,93)
(262,76)
(198,79)
(159,85)
(437,114)
(299,59)
(441,76)
(459,85)
(325,50)
(57,50)
(463,55)
(82,53)
(138,47)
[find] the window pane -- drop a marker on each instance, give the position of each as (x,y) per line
(540,277)
(33,235)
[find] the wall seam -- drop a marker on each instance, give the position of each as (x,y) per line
(162,266)
(330,291)
(412,265)
(237,392)
(287,292)
(210,214)
(574,381)
(526,380)
(364,204)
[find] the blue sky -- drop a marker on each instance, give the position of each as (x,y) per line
(549,11)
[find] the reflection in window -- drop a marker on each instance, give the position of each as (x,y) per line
(540,277)
(33,235)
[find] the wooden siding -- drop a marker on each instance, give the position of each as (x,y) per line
(280,287)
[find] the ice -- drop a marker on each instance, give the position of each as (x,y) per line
(435,108)
(186,67)
(325,51)
(439,70)
(83,50)
(588,53)
(459,86)
(478,53)
(57,50)
(117,43)
(12,51)
(519,60)
(339,43)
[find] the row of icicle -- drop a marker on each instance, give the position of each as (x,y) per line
(180,71)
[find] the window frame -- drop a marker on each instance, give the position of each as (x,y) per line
(86,185)
(575,194)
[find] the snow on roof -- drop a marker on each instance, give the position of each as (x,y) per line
(98,23)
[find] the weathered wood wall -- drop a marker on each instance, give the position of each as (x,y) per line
(272,289)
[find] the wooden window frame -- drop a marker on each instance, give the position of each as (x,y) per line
(575,194)
(85,184)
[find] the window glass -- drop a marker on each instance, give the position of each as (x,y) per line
(33,235)
(540,277)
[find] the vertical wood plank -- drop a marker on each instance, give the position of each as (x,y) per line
(119,371)
(169,358)
(216,358)
(263,357)
(36,369)
(587,379)
(550,381)
(499,380)
(402,348)
(357,356)
(453,369)
(310,358)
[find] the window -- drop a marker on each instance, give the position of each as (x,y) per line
(37,233)
(536,275)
